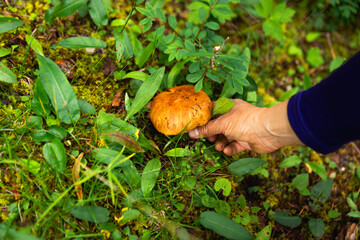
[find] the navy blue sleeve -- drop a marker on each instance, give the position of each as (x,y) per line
(327,116)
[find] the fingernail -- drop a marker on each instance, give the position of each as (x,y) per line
(194,133)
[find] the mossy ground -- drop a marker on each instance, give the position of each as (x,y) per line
(25,197)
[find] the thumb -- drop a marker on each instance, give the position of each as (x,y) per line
(212,128)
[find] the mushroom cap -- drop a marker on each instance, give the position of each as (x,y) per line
(180,107)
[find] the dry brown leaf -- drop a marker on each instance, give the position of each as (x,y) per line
(117,99)
(75,176)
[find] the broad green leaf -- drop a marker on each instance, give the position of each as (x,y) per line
(264,8)
(241,201)
(212,25)
(301,181)
(6,75)
(318,168)
(129,215)
(312,36)
(132,175)
(136,75)
(288,94)
(146,91)
(281,13)
(336,63)
(106,156)
(322,190)
(4,52)
(8,23)
(317,227)
(307,82)
(292,161)
(91,213)
(10,233)
(286,220)
(31,165)
(122,138)
(333,214)
(40,102)
(222,106)
(98,12)
(55,132)
(82,42)
(189,46)
(86,107)
(223,208)
(65,8)
(224,226)
(272,28)
(59,90)
(199,85)
(34,44)
(55,156)
(150,175)
(295,50)
(141,59)
(244,166)
(178,152)
(314,57)
(224,184)
(123,44)
(208,201)
(172,22)
(354,214)
(175,70)
(265,233)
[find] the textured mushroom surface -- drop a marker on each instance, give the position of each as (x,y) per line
(178,107)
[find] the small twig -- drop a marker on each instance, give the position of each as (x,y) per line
(328,39)
(207,15)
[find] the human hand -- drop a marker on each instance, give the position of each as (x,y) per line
(247,127)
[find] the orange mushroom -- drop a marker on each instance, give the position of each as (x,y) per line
(180,107)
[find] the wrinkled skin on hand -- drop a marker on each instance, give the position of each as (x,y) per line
(247,127)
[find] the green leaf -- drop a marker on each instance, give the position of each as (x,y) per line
(213,77)
(314,57)
(333,214)
(136,75)
(312,36)
(264,8)
(82,42)
(301,181)
(141,59)
(98,12)
(265,233)
(199,85)
(55,132)
(9,233)
(4,52)
(31,165)
(150,175)
(295,50)
(146,91)
(86,107)
(222,106)
(224,226)
(107,156)
(354,214)
(241,201)
(40,102)
(281,13)
(224,184)
(351,204)
(129,215)
(194,77)
(244,166)
(8,23)
(322,190)
(123,44)
(292,161)
(6,75)
(59,90)
(208,201)
(272,28)
(65,8)
(317,227)
(223,208)
(91,213)
(178,152)
(212,25)
(55,156)
(172,22)
(286,220)
(189,46)
(336,63)
(307,82)
(318,168)
(123,139)
(288,94)
(176,69)
(34,44)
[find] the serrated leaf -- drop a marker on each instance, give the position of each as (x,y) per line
(272,28)
(264,8)
(6,75)
(265,233)
(123,44)
(292,161)
(317,227)
(224,184)
(65,8)
(59,90)
(122,138)
(8,23)
(222,106)
(224,226)
(82,42)
(146,91)
(244,166)
(34,44)
(91,213)
(98,12)
(150,175)
(55,156)
(285,219)
(322,190)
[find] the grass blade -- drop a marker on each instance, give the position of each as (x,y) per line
(82,42)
